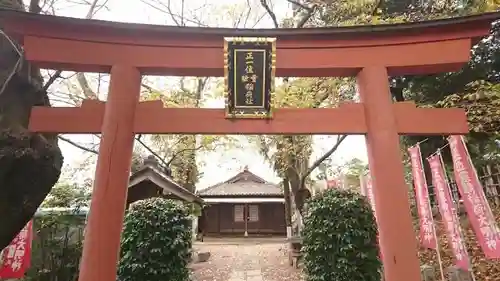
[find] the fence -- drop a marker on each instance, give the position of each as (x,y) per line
(57,245)
(490,180)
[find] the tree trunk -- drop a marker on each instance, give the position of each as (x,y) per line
(299,191)
(288,210)
(30,164)
(184,169)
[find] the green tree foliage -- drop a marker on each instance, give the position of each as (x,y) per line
(137,160)
(340,223)
(290,155)
(356,167)
(156,241)
(179,152)
(352,171)
(349,172)
(472,88)
(66,195)
(58,235)
(441,90)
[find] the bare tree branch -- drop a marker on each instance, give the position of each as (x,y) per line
(90,13)
(263,147)
(304,19)
(182,13)
(138,139)
(97,8)
(167,10)
(78,145)
(297,3)
(309,13)
(82,80)
(248,14)
(178,153)
(270,12)
(52,79)
(316,163)
(80,76)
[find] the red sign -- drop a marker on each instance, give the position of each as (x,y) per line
(448,213)
(476,205)
(15,259)
(426,220)
(331,183)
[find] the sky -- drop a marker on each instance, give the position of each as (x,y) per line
(219,165)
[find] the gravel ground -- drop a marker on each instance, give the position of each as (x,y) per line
(229,256)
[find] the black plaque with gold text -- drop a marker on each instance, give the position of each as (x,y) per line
(249,70)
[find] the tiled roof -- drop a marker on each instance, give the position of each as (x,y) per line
(151,171)
(243,184)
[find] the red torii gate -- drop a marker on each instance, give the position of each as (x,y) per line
(128,51)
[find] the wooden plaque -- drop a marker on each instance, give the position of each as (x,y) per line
(249,71)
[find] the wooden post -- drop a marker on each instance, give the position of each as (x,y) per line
(102,235)
(397,238)
(491,186)
(246,216)
(288,207)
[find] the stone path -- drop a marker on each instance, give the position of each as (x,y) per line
(247,267)
(246,275)
(245,260)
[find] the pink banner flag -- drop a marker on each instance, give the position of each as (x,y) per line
(369,193)
(15,259)
(445,203)
(362,185)
(367,190)
(426,220)
(477,207)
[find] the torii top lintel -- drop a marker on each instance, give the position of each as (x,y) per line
(190,51)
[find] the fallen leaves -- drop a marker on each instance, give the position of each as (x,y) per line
(483,268)
(228,257)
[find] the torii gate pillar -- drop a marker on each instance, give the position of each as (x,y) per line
(397,240)
(103,230)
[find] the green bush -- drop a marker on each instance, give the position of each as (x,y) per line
(156,242)
(340,238)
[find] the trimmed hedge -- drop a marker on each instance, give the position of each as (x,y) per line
(156,242)
(340,238)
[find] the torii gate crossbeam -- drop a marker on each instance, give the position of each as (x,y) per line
(150,117)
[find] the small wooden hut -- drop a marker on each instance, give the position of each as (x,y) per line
(243,205)
(152,180)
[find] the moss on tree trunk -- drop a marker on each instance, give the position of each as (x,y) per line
(30,164)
